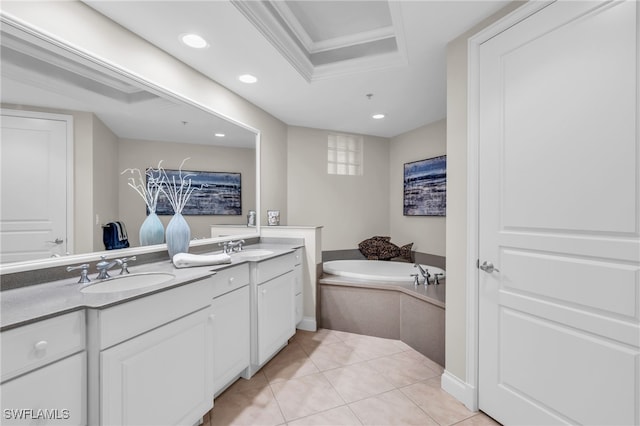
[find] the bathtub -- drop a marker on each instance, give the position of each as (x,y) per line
(377,270)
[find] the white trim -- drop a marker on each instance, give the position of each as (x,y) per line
(307,324)
(470,396)
(463,392)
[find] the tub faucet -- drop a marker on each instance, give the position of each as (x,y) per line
(416,280)
(103,267)
(424,272)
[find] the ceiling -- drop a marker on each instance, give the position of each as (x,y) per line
(317,61)
(46,77)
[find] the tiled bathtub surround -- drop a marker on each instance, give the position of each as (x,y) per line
(336,378)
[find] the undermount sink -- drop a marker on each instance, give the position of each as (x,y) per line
(252,253)
(128,282)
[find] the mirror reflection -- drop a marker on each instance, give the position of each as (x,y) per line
(69,128)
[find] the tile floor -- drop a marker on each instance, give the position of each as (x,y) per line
(335,378)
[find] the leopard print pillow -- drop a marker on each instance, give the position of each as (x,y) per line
(379,248)
(405,252)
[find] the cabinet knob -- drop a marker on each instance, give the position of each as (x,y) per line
(264,291)
(41,346)
(231,280)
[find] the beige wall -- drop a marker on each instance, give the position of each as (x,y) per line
(105,179)
(351,208)
(142,154)
(457,190)
(426,233)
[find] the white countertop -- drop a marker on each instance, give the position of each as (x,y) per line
(35,302)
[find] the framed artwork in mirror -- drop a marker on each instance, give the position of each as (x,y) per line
(425,187)
(217,193)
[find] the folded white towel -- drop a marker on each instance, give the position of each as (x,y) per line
(186,260)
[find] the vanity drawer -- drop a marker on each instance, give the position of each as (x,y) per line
(229,279)
(130,319)
(271,268)
(31,346)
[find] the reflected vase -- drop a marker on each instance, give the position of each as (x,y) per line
(151,231)
(178,235)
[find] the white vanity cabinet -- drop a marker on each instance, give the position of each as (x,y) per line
(154,358)
(231,325)
(273,301)
(44,372)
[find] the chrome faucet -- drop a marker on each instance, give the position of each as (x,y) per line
(236,245)
(103,267)
(84,272)
(424,272)
(125,264)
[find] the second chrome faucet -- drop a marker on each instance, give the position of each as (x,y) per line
(103,267)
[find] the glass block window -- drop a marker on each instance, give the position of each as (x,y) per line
(344,155)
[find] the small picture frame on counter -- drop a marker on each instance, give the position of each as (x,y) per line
(273,217)
(251,218)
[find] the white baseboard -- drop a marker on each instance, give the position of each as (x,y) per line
(307,324)
(460,390)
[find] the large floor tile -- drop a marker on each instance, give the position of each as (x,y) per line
(303,396)
(444,408)
(479,419)
(403,369)
(333,355)
(259,380)
(417,356)
(368,347)
(256,406)
(391,408)
(357,381)
(290,363)
(341,416)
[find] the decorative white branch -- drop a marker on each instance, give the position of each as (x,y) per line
(149,190)
(178,193)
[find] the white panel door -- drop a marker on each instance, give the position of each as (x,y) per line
(559,331)
(34,179)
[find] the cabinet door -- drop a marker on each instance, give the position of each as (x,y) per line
(55,394)
(275,315)
(230,336)
(163,377)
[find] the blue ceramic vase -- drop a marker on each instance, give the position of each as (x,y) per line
(178,235)
(151,231)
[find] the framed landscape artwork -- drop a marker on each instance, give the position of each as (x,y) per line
(220,194)
(425,187)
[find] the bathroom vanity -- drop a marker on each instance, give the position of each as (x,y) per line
(152,355)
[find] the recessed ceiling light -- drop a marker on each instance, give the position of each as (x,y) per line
(248,78)
(194,40)
(220,135)
(377,116)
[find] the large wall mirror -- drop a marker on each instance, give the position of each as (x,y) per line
(71,126)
